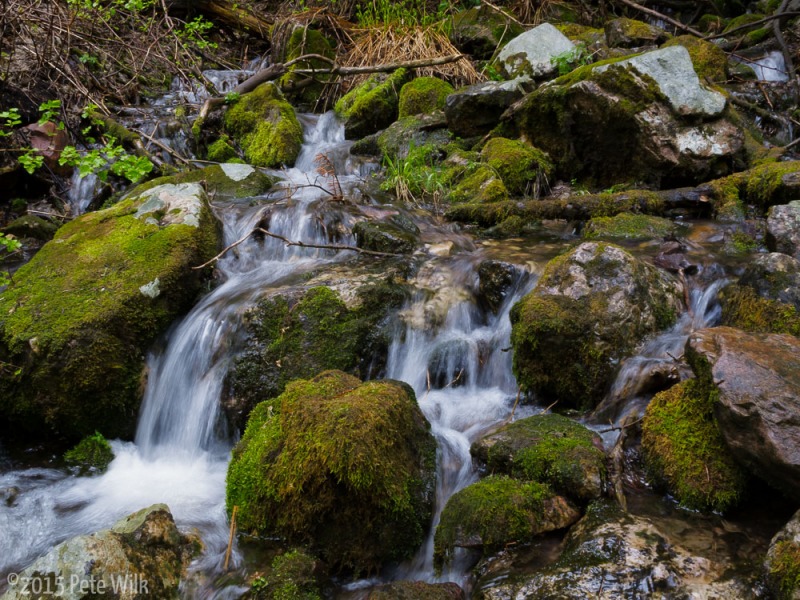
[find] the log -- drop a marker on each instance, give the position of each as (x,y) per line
(226,12)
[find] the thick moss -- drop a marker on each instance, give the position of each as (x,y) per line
(628,226)
(762,186)
(265,126)
(221,151)
(785,569)
(482,185)
(630,33)
(480,30)
(522,167)
(684,449)
(32,227)
(423,95)
(497,510)
(372,105)
(709,61)
(77,319)
(743,308)
(305,40)
(550,449)
(343,466)
(290,577)
(93,453)
(219,185)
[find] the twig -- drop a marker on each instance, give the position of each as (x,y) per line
(621,427)
(502,12)
(787,55)
(230,539)
(663,17)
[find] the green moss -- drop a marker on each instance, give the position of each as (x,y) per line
(93,453)
(684,449)
(709,61)
(785,569)
(482,185)
(631,32)
(77,323)
(265,126)
(385,237)
(522,167)
(221,150)
(761,186)
(344,466)
(709,23)
(32,227)
(372,105)
(628,226)
(740,242)
(217,184)
(744,309)
(581,33)
(290,577)
(744,19)
(305,40)
(498,510)
(481,30)
(423,95)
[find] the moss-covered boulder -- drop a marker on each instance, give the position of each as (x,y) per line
(523,168)
(297,334)
(343,466)
(423,95)
(31,226)
(79,317)
(497,511)
(397,140)
(628,226)
(744,308)
(291,576)
(304,40)
(590,309)
(480,30)
(92,454)
(645,118)
(222,150)
(709,60)
(762,186)
(480,184)
(782,564)
(549,449)
(386,236)
(226,181)
(372,105)
(630,33)
(265,126)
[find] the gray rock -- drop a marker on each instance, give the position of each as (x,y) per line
(629,33)
(672,70)
(480,30)
(171,204)
(774,276)
(141,556)
(530,54)
(416,130)
(781,562)
(476,109)
(758,377)
(495,281)
(783,229)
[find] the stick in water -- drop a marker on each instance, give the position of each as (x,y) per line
(230,539)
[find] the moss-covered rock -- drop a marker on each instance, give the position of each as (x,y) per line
(221,182)
(92,454)
(685,451)
(549,449)
(630,33)
(265,126)
(480,30)
(345,467)
(589,309)
(222,150)
(782,564)
(628,226)
(774,276)
(709,61)
(297,335)
(372,105)
(748,37)
(80,316)
(291,576)
(523,168)
(31,226)
(497,511)
(479,186)
(386,236)
(414,132)
(762,186)
(743,308)
(304,40)
(423,95)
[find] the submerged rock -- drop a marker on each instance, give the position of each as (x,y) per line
(476,109)
(81,314)
(141,556)
(531,54)
(782,565)
(589,309)
(757,377)
(783,229)
(372,105)
(386,236)
(343,466)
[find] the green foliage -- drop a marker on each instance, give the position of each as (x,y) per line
(785,568)
(290,577)
(31,161)
(11,119)
(416,178)
(93,453)
(571,59)
(51,111)
(743,308)
(232,97)
(195,32)
(8,245)
(377,13)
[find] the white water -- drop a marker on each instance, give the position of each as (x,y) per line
(770,67)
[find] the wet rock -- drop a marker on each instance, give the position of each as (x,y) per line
(610,554)
(758,381)
(630,33)
(671,256)
(782,564)
(549,449)
(628,226)
(632,120)
(479,31)
(386,236)
(497,511)
(417,130)
(476,109)
(9,495)
(265,126)
(589,309)
(31,226)
(530,54)
(141,556)
(372,105)
(416,590)
(449,364)
(84,311)
(783,229)
(93,454)
(774,276)
(226,181)
(343,466)
(291,575)
(744,309)
(423,95)
(495,280)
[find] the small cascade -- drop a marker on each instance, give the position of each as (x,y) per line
(770,67)
(82,191)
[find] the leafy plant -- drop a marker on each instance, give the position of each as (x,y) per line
(571,59)
(195,31)
(51,111)
(11,119)
(232,97)
(399,12)
(415,177)
(8,245)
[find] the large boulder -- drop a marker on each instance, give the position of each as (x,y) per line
(782,564)
(304,40)
(226,181)
(141,556)
(550,449)
(476,109)
(80,316)
(397,140)
(590,308)
(743,308)
(343,466)
(372,105)
(783,229)
(265,126)
(480,30)
(758,381)
(531,54)
(645,118)
(423,95)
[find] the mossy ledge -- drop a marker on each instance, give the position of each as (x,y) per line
(743,308)
(345,467)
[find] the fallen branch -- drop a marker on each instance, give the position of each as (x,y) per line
(662,16)
(787,55)
(751,25)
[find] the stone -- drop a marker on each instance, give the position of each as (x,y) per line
(423,95)
(416,590)
(418,130)
(480,30)
(774,276)
(373,105)
(495,280)
(141,556)
(530,55)
(386,236)
(31,226)
(782,563)
(522,168)
(630,33)
(783,229)
(758,382)
(709,60)
(476,109)
(628,226)
(226,181)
